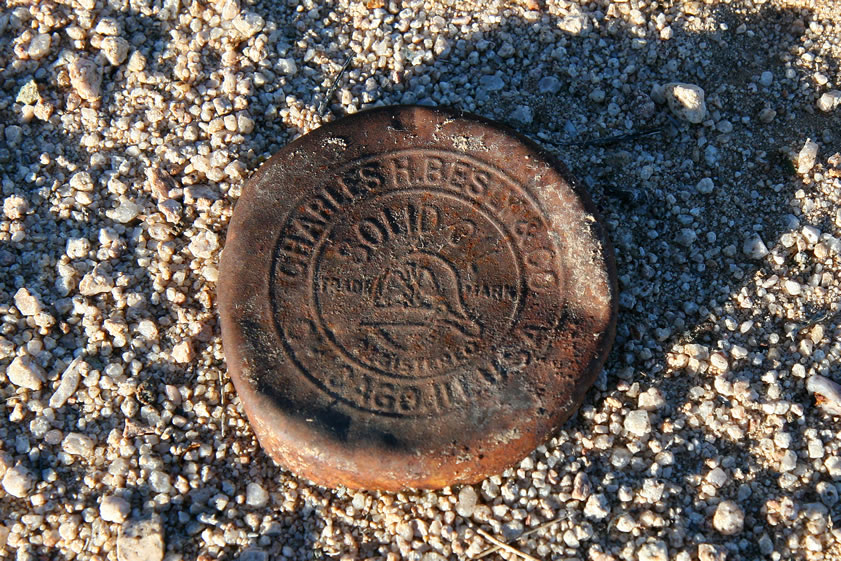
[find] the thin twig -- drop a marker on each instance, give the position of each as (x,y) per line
(617,138)
(322,109)
(222,402)
(526,534)
(504,546)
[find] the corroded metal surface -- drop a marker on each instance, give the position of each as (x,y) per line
(412,297)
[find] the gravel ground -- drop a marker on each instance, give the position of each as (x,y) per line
(127,128)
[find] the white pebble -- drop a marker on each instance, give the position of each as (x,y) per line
(148,329)
(729,518)
(828,391)
(17,481)
(39,46)
(467,499)
(28,93)
(807,156)
(115,50)
(183,352)
(719,362)
(653,551)
(255,495)
(204,244)
(114,509)
(810,234)
(141,540)
(27,303)
(792,287)
(160,482)
(95,282)
(125,212)
(651,400)
(686,101)
(718,477)
(249,24)
(15,207)
(26,373)
(287,66)
(69,382)
(86,78)
(829,100)
(597,507)
(710,552)
(638,423)
(77,444)
(580,486)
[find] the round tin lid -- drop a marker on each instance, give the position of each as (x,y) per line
(413,297)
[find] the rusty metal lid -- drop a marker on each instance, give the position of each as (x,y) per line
(413,297)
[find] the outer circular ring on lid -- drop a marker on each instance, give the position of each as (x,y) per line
(413,297)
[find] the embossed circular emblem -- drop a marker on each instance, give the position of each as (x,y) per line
(411,297)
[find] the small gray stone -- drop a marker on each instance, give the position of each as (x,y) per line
(141,540)
(705,186)
(754,247)
(14,134)
(766,79)
(253,554)
(523,114)
(549,84)
(287,66)
(686,237)
(512,530)
(766,545)
(492,83)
